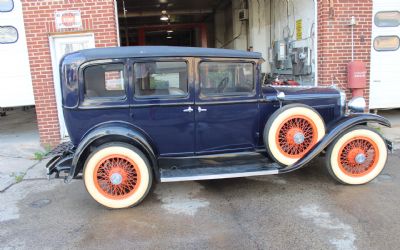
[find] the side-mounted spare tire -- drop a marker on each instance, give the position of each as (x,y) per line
(292,131)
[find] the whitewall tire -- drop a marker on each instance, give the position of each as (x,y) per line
(357,156)
(117,175)
(291,132)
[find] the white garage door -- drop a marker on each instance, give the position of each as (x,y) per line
(15,76)
(385,55)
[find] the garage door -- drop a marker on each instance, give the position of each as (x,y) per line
(385,55)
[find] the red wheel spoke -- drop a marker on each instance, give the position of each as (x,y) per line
(287,131)
(124,170)
(354,147)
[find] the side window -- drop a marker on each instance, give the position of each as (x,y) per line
(226,78)
(104,81)
(160,79)
(8,34)
(6,5)
(387,19)
(386,43)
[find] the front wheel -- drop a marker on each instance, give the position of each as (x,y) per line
(117,175)
(357,156)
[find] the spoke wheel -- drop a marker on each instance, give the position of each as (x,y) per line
(296,135)
(291,132)
(357,156)
(116,177)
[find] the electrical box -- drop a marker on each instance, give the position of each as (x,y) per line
(243,14)
(301,61)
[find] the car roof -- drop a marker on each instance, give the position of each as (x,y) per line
(164,51)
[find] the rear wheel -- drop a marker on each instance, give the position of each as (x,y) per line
(291,132)
(117,175)
(357,156)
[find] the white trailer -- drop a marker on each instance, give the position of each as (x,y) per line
(385,55)
(15,77)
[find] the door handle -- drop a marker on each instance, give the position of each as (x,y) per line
(188,110)
(201,110)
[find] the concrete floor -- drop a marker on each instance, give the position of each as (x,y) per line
(301,210)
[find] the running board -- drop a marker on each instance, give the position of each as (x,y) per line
(208,173)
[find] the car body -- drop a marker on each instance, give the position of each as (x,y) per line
(197,113)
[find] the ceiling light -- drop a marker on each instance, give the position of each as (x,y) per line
(169,37)
(170,31)
(164,16)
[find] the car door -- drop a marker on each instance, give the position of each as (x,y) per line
(163,103)
(226,106)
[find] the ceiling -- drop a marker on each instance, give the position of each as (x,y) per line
(148,12)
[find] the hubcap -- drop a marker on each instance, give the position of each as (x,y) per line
(116,178)
(360,158)
(298,138)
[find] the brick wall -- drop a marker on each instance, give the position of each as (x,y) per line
(334,39)
(98,17)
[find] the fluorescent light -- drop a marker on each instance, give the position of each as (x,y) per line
(169,37)
(170,31)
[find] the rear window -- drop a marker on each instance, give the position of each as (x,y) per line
(102,81)
(160,79)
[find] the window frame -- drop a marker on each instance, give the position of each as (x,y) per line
(159,97)
(16,40)
(251,94)
(383,26)
(12,8)
(103,102)
(383,50)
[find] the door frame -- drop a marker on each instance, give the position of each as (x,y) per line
(56,75)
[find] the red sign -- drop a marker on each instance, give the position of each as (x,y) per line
(68,19)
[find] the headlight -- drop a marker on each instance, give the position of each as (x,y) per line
(342,101)
(357,104)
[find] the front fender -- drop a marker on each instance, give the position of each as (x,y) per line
(114,129)
(335,130)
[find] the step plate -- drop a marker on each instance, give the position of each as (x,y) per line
(209,173)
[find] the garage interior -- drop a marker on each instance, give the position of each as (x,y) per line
(284,31)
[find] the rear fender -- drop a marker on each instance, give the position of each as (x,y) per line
(115,131)
(335,130)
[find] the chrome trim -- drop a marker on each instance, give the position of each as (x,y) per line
(188,110)
(357,104)
(199,109)
(218,176)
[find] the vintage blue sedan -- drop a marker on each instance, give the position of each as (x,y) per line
(141,114)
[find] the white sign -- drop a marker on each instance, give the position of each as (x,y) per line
(68,19)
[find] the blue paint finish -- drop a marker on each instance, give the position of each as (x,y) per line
(226,127)
(230,124)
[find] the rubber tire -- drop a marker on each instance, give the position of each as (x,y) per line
(128,151)
(277,118)
(331,156)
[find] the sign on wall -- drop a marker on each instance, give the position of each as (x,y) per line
(68,19)
(299,29)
